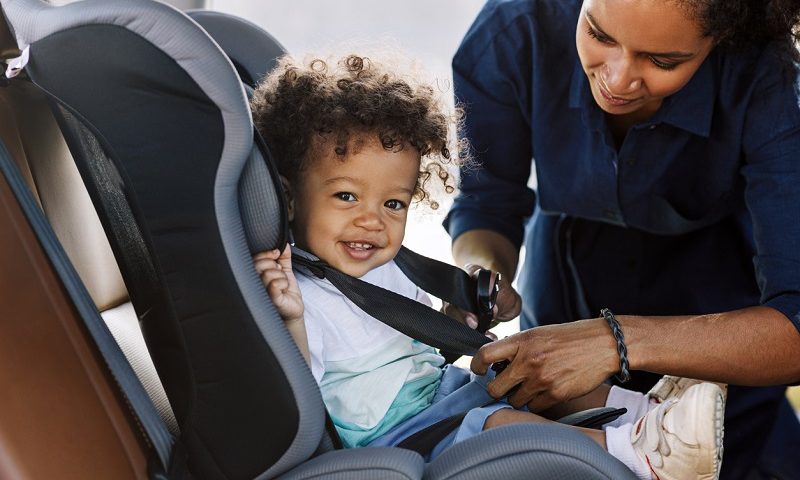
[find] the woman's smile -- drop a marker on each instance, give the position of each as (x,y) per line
(612,99)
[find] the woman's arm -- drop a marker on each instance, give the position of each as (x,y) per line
(556,363)
(752,346)
(488,249)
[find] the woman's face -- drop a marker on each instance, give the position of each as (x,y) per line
(637,52)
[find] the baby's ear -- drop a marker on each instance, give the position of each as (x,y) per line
(288,196)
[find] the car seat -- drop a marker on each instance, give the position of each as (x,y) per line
(157,120)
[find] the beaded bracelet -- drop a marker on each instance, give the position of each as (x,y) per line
(624,374)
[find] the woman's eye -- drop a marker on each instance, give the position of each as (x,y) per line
(663,65)
(395,205)
(598,36)
(345,196)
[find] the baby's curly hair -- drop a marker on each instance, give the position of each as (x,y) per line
(299,105)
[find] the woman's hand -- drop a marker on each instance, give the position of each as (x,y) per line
(550,364)
(275,269)
(507,306)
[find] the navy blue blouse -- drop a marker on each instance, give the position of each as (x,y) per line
(726,145)
(697,211)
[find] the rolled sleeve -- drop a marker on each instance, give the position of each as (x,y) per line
(491,75)
(772,194)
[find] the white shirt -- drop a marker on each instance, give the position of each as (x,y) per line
(362,364)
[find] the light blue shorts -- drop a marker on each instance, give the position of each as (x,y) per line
(459,391)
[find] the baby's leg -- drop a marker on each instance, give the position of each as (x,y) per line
(593,399)
(637,403)
(509,416)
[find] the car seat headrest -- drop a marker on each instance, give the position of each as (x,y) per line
(253,51)
(261,203)
(8,44)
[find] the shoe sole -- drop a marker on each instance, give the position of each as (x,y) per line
(719,426)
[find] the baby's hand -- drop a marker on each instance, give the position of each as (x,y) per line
(275,269)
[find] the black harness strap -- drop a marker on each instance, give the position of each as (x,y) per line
(412,318)
(442,280)
(424,441)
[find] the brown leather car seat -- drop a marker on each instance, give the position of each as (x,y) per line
(35,142)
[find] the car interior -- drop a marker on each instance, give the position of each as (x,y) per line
(136,339)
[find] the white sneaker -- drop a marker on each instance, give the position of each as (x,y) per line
(674,387)
(681,438)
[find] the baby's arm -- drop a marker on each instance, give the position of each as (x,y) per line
(275,269)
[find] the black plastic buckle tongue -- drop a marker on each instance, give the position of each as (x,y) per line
(488,283)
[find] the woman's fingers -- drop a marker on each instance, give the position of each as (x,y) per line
(503,384)
(509,304)
(467,318)
(550,364)
(490,353)
(472,269)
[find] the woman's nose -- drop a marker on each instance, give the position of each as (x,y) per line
(620,75)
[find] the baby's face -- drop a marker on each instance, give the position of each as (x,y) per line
(352,212)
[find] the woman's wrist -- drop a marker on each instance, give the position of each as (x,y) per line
(633,327)
(624,374)
(604,345)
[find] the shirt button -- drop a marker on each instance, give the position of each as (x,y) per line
(609,214)
(631,161)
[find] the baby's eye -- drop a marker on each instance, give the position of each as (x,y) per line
(345,196)
(395,205)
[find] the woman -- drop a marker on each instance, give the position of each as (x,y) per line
(665,137)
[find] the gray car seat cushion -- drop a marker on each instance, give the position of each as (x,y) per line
(253,50)
(517,452)
(259,204)
(385,463)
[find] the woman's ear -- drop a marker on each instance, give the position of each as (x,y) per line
(288,195)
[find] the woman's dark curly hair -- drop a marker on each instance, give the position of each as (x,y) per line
(736,24)
(300,107)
